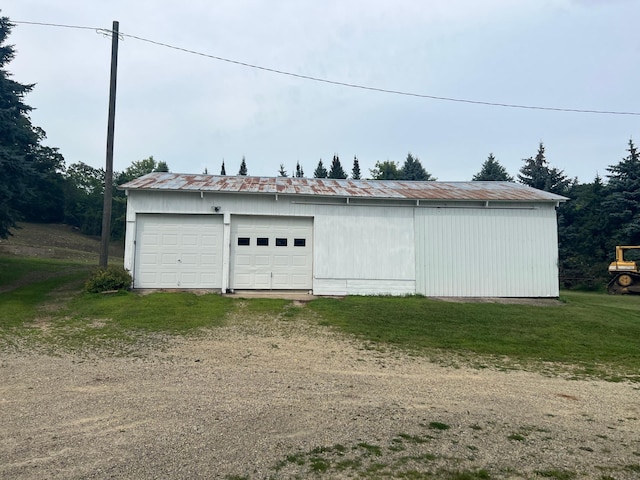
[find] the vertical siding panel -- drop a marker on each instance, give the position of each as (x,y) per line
(486,252)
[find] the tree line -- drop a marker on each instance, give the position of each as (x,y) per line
(37,186)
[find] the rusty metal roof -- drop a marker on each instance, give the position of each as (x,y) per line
(323,187)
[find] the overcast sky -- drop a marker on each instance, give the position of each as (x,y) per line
(193,111)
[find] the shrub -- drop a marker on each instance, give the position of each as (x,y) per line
(111,278)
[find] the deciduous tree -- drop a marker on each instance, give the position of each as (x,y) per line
(139,168)
(84,188)
(387,170)
(48,182)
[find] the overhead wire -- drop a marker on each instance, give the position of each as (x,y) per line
(104,31)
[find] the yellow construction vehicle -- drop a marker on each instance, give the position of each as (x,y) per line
(625,276)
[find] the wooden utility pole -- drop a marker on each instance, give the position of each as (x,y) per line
(108,177)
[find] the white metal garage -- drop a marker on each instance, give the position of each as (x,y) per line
(342,237)
(178,251)
(271,252)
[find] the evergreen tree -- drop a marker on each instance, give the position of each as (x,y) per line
(223,171)
(243,167)
(622,202)
(492,171)
(536,173)
(583,237)
(320,171)
(387,170)
(355,171)
(412,169)
(19,141)
(282,172)
(336,170)
(299,171)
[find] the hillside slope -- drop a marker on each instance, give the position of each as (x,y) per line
(56,241)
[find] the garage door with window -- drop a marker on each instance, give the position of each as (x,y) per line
(178,251)
(271,253)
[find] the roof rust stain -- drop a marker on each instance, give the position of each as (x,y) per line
(375,189)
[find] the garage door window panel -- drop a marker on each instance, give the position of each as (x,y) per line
(272,262)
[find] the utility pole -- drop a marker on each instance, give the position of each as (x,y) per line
(108,178)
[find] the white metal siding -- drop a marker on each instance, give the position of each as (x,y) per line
(271,266)
(364,250)
(382,250)
(178,251)
(486,252)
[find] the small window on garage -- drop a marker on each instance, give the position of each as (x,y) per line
(243,240)
(263,242)
(300,242)
(281,242)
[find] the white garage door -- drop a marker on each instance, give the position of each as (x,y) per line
(271,252)
(178,251)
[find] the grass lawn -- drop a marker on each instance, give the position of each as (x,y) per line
(592,334)
(597,332)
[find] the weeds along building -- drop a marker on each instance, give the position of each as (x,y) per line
(337,237)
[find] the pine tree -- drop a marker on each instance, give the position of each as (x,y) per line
(492,171)
(320,171)
(536,173)
(355,171)
(19,141)
(336,169)
(282,172)
(223,171)
(622,201)
(412,169)
(299,171)
(243,167)
(583,237)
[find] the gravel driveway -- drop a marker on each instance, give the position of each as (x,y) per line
(276,400)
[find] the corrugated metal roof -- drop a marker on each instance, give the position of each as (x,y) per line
(377,189)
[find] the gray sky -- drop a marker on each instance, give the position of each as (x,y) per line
(192,111)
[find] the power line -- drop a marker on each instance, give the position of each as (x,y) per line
(336,82)
(42,24)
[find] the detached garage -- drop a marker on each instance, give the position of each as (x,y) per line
(341,237)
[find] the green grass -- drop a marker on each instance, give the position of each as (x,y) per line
(588,334)
(598,332)
(48,293)
(158,312)
(369,461)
